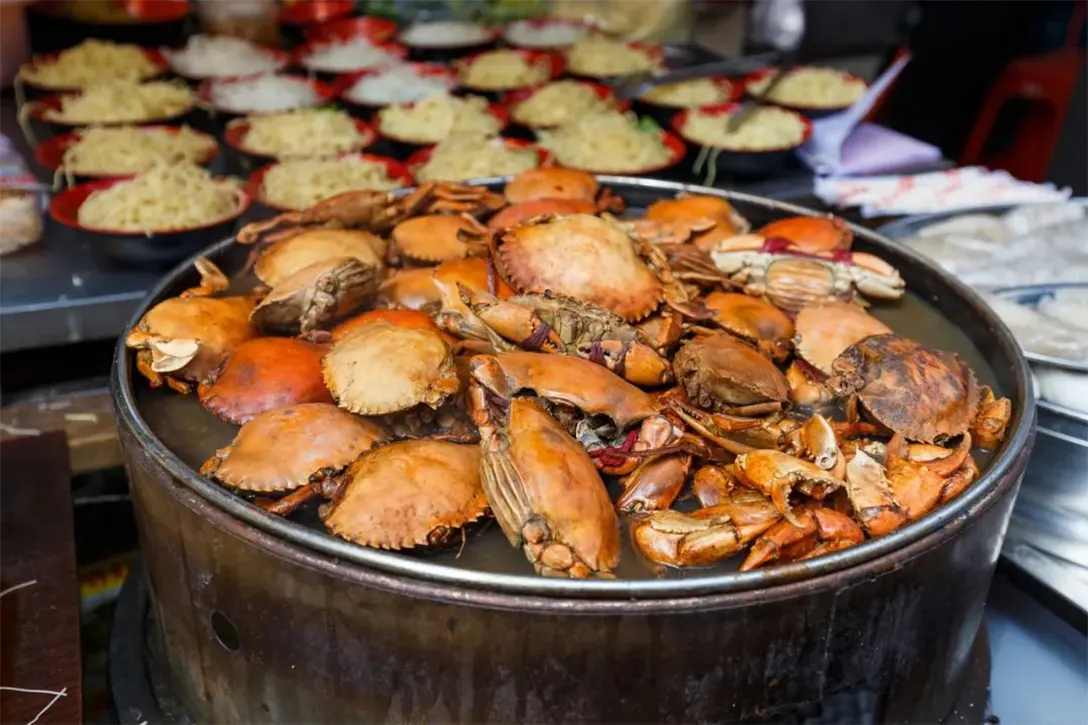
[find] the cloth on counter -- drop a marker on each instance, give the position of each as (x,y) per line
(952,190)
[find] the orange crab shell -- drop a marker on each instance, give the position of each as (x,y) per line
(415,288)
(825,330)
(437,491)
(439,238)
(552,182)
(263,374)
(407,318)
(811,234)
(281,450)
(286,257)
(517,213)
(720,371)
(750,317)
(687,208)
(581,256)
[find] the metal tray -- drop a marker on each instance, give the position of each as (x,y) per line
(1030,296)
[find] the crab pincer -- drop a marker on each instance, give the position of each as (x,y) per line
(815,531)
(775,474)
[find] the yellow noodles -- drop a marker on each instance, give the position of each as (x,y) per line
(90,62)
(301,183)
(683,94)
(558,103)
(768,128)
(127,150)
(470,156)
(814,87)
(169,197)
(306,132)
(502,70)
(606,142)
(436,117)
(122,102)
(601,56)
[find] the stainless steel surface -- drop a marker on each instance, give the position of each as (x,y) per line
(922,277)
(1030,296)
(628,88)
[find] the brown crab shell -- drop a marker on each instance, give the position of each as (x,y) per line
(407,494)
(750,317)
(283,259)
(718,372)
(927,395)
(265,373)
(515,214)
(811,234)
(383,368)
(407,318)
(218,324)
(281,450)
(687,208)
(551,182)
(438,238)
(410,288)
(825,330)
(316,294)
(581,256)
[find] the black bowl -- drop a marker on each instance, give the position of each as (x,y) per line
(730,163)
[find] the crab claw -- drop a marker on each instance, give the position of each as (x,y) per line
(168,356)
(876,278)
(775,474)
(656,480)
(919,474)
(871,496)
(992,419)
(712,485)
(634,362)
(817,439)
(212,279)
(818,531)
(512,321)
(806,388)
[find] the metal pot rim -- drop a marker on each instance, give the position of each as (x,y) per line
(952,516)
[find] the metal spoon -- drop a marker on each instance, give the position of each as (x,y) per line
(628,88)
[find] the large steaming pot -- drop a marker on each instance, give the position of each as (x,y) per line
(265,620)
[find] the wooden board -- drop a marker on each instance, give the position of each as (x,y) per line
(86,417)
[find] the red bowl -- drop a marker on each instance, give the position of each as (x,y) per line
(554,62)
(537,23)
(307,49)
(140,12)
(496,110)
(325,92)
(394,169)
(657,57)
(721,109)
(236,131)
(423,155)
(313,12)
(378,30)
(282,58)
(673,143)
(64,208)
(50,153)
(36,109)
(513,99)
(733,91)
(812,110)
(157,58)
(344,83)
(744,163)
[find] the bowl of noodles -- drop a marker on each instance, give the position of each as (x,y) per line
(494,72)
(612,142)
(556,103)
(366,92)
(377,30)
(305,133)
(113,104)
(760,146)
(407,127)
(122,151)
(545,33)
(228,98)
(336,56)
(662,102)
(223,56)
(298,184)
(156,218)
(598,56)
(90,63)
(444,40)
(810,90)
(472,156)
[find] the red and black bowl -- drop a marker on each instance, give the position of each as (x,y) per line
(401,146)
(377,30)
(36,110)
(38,89)
(812,110)
(673,143)
(235,134)
(216,116)
(423,155)
(57,24)
(654,52)
(367,109)
(663,113)
(282,60)
(447,48)
(50,153)
(394,170)
(553,62)
(522,129)
(730,162)
(575,28)
(304,56)
(143,249)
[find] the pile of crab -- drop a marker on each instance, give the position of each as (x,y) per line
(413,364)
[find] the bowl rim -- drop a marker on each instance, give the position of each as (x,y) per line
(177,10)
(556,67)
(326,93)
(155,55)
(346,81)
(733,87)
(417,577)
(54,147)
(288,14)
(758,75)
(354,25)
(86,188)
(232,137)
(676,123)
(253,183)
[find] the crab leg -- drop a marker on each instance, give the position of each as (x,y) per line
(656,481)
(992,419)
(713,485)
(288,504)
(775,474)
(918,474)
(818,531)
(871,496)
(701,423)
(212,279)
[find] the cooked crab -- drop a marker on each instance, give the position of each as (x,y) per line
(554,182)
(688,209)
(543,488)
(815,531)
(406,318)
(811,234)
(438,238)
(262,374)
(791,279)
(825,330)
(283,450)
(437,492)
(450,279)
(775,474)
(317,294)
(927,395)
(712,484)
(278,262)
(754,320)
(515,214)
(720,373)
(706,536)
(657,479)
(383,368)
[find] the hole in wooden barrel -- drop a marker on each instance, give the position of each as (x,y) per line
(225,632)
